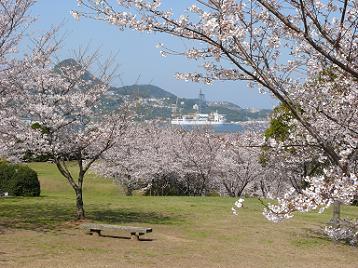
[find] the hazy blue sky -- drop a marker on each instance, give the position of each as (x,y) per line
(137,54)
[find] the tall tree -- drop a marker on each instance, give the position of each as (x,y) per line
(137,157)
(238,164)
(14,21)
(48,109)
(63,107)
(196,153)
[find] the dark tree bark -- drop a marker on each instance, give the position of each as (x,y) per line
(79,204)
(336,215)
(77,187)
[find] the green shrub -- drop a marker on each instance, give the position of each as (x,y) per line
(18,180)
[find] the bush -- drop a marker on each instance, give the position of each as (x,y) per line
(18,180)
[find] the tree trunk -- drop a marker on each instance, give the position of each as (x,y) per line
(79,204)
(336,216)
(229,189)
(263,188)
(129,191)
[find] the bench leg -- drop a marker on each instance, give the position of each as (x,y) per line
(135,236)
(90,232)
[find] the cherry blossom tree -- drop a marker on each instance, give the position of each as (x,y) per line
(239,165)
(14,21)
(292,163)
(338,122)
(282,47)
(196,153)
(161,159)
(65,119)
(49,109)
(138,157)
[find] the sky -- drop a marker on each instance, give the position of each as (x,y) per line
(138,58)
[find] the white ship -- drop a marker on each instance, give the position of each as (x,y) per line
(198,117)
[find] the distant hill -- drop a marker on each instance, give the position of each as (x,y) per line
(144,91)
(72,62)
(154,102)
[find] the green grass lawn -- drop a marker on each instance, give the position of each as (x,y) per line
(187,231)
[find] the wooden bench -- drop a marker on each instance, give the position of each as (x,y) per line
(135,232)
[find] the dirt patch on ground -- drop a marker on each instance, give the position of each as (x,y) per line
(168,248)
(175,238)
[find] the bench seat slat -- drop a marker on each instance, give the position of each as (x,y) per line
(101,227)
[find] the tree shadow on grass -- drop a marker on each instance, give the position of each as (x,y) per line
(39,217)
(310,238)
(124,216)
(46,217)
(142,239)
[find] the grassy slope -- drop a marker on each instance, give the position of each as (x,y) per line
(188,232)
